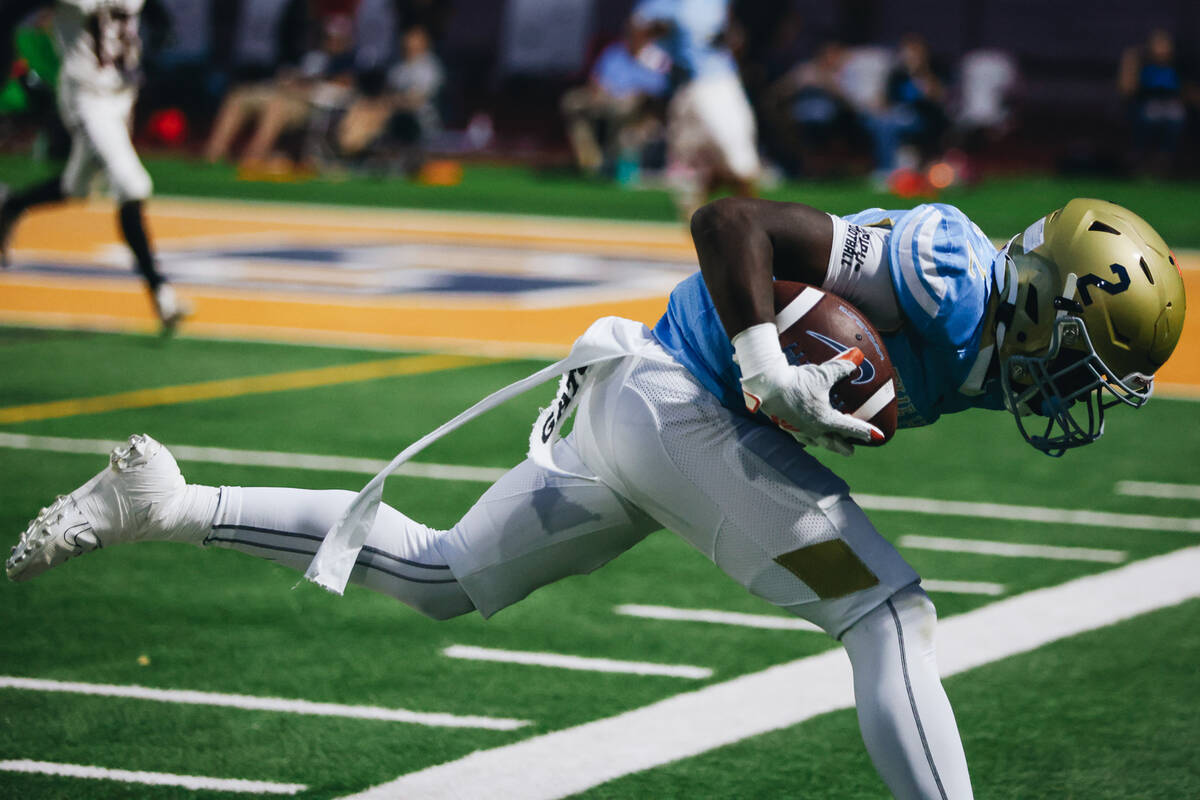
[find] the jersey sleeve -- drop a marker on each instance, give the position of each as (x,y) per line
(941,273)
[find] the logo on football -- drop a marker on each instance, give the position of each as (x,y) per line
(814,326)
(866,370)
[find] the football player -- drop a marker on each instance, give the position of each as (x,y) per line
(100,47)
(1070,317)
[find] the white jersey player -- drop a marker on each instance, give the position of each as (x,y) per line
(100,47)
(99,42)
(711,130)
(664,437)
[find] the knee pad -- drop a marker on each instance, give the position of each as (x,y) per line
(916,613)
(909,610)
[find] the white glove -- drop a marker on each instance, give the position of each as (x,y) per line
(796,398)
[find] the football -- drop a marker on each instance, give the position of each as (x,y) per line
(814,326)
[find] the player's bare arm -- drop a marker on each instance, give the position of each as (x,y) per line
(744,243)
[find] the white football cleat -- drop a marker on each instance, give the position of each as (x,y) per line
(128,501)
(171,309)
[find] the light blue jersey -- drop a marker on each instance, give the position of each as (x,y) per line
(694,28)
(944,272)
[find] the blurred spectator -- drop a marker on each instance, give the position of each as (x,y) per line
(30,92)
(399,112)
(987,80)
(914,112)
(864,76)
(285,103)
(711,129)
(807,110)
(1155,84)
(613,113)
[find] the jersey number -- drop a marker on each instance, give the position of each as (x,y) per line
(1095,280)
(115,39)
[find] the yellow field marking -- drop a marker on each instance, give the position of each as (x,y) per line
(237,387)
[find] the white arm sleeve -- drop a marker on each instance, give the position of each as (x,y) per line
(859,271)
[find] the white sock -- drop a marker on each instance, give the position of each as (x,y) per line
(400,557)
(165,300)
(906,720)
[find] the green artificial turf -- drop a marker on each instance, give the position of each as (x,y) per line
(220,621)
(1107,715)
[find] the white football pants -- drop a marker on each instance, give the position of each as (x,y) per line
(99,126)
(667,455)
(905,717)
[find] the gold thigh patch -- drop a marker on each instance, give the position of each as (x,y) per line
(830,568)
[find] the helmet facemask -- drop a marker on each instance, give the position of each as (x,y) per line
(1069,386)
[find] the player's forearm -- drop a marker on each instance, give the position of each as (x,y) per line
(735,256)
(744,243)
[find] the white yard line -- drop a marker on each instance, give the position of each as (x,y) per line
(254,703)
(1166,491)
(1010,550)
(963,587)
(453,472)
(768,621)
(194,782)
(573,760)
(258,458)
(559,661)
(1063,516)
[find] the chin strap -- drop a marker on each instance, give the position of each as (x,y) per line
(1067,301)
(1065,304)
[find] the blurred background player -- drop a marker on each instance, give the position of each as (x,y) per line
(100,47)
(711,131)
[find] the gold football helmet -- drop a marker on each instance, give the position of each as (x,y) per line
(1092,305)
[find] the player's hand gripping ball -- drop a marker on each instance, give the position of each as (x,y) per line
(815,326)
